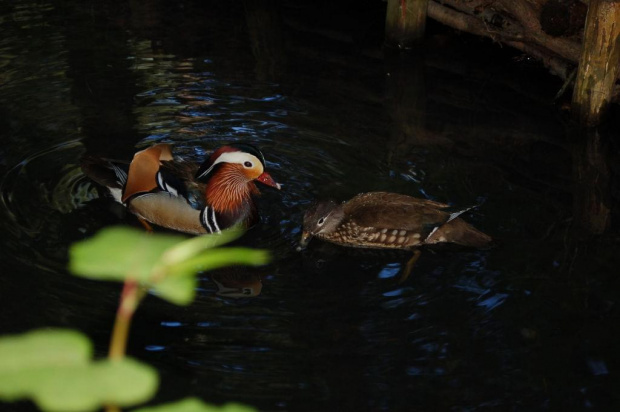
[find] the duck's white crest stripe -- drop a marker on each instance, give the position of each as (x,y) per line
(232,157)
(205,219)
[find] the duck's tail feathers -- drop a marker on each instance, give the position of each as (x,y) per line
(460,212)
(462,233)
(106,173)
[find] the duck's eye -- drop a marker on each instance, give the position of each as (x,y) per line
(247,164)
(321,221)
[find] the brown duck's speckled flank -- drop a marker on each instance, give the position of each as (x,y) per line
(389,220)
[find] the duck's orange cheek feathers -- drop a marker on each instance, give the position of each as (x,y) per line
(251,173)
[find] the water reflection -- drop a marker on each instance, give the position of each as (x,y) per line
(265,36)
(241,283)
(592,202)
(40,194)
(407,100)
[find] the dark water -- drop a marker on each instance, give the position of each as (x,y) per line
(529,325)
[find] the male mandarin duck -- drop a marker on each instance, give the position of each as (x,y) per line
(385,220)
(183,196)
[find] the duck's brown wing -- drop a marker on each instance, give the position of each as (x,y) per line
(393,211)
(142,176)
(395,199)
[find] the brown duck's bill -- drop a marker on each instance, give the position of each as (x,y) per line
(305,239)
(266,179)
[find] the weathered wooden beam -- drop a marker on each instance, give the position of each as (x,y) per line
(592,192)
(514,37)
(405,23)
(598,65)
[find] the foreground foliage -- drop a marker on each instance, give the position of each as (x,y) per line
(55,367)
(56,370)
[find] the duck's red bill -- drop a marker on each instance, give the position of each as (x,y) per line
(266,179)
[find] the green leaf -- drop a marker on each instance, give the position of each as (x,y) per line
(196,405)
(179,284)
(179,290)
(85,387)
(162,263)
(218,258)
(118,253)
(193,246)
(54,369)
(123,382)
(43,348)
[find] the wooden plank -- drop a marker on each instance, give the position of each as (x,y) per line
(405,23)
(598,65)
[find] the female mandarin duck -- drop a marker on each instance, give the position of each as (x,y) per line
(389,220)
(183,196)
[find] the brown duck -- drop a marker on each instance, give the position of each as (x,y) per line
(389,220)
(383,220)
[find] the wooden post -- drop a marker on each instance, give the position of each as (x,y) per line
(598,65)
(592,175)
(405,23)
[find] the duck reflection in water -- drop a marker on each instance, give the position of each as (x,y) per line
(237,282)
(382,220)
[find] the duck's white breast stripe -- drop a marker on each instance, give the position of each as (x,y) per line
(205,219)
(214,220)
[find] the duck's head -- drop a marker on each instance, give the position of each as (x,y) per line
(322,218)
(237,161)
